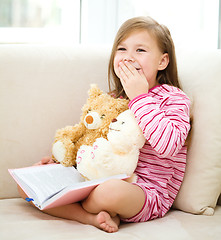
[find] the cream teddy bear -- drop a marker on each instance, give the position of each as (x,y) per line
(97,114)
(117,155)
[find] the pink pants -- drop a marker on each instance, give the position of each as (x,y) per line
(152,207)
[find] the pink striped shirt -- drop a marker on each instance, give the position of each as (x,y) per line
(163,116)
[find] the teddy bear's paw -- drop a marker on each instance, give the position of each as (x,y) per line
(83,155)
(80,155)
(59,151)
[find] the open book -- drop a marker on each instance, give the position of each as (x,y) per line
(54,185)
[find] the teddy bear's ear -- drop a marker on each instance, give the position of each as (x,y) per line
(94,91)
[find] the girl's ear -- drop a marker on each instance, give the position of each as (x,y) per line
(164,61)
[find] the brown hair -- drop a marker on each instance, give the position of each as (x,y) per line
(165,43)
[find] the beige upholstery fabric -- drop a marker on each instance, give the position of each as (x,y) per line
(42,88)
(201,78)
(21,221)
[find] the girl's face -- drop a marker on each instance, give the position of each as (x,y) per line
(142,51)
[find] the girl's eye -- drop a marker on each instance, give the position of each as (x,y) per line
(140,50)
(121,49)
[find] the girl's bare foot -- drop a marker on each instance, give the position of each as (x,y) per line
(107,223)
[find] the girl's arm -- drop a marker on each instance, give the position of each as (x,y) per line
(164,123)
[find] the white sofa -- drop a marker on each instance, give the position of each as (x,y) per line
(42,88)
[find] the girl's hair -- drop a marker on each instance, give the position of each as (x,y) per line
(165,44)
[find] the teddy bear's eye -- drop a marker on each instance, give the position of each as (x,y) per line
(102,116)
(89,110)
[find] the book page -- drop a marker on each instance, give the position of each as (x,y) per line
(46,180)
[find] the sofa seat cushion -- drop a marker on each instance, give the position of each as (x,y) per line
(21,221)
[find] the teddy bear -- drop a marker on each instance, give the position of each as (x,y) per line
(97,114)
(118,154)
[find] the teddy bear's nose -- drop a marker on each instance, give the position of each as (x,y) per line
(89,119)
(114,120)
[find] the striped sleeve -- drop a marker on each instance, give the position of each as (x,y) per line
(164,121)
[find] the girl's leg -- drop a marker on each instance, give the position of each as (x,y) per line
(73,212)
(104,206)
(77,213)
(115,199)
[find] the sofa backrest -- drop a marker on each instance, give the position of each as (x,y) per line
(200,74)
(42,89)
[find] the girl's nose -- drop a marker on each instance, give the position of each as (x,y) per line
(129,59)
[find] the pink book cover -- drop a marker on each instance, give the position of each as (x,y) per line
(71,196)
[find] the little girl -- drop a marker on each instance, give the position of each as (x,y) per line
(143,69)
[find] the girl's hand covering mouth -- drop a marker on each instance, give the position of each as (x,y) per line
(134,64)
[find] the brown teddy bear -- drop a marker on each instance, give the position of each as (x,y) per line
(97,115)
